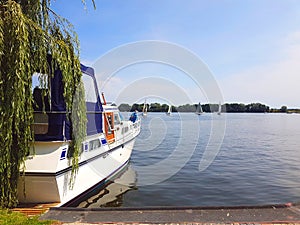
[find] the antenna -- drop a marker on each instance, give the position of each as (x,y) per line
(103,98)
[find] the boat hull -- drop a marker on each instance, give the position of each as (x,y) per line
(45,187)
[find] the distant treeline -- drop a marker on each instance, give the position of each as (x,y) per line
(208,108)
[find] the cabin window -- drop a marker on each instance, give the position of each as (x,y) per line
(110,123)
(125,130)
(116,119)
(90,94)
(40,92)
(121,117)
(85,146)
(94,144)
(41,103)
(39,80)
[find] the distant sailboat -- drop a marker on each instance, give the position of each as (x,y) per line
(169,110)
(199,110)
(145,109)
(219,109)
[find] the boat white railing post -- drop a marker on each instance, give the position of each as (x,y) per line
(64,131)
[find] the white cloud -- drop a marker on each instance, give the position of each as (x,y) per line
(274,84)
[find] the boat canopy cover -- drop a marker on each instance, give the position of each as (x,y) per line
(59,126)
(94,109)
(87,70)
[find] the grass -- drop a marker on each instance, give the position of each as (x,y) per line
(7,217)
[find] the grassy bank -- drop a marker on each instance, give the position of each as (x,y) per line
(7,217)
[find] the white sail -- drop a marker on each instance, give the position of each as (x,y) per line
(199,110)
(169,110)
(145,109)
(219,109)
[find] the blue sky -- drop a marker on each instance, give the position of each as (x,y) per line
(252,47)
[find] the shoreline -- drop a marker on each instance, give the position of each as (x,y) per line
(265,214)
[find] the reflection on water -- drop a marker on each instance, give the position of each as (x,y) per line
(111,195)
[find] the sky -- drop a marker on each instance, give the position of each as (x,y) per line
(167,50)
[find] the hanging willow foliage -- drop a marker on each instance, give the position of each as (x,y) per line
(29,31)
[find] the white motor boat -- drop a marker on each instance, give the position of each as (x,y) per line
(105,151)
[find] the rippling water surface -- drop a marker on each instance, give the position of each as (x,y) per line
(258,162)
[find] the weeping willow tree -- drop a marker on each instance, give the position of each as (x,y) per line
(29,31)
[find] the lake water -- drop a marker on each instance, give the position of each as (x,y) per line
(258,162)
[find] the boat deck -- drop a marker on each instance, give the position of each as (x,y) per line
(269,214)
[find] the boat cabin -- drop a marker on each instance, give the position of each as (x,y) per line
(51,122)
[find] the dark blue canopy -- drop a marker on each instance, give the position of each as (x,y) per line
(87,70)
(94,109)
(59,126)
